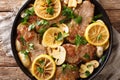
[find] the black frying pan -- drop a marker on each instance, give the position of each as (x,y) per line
(98,10)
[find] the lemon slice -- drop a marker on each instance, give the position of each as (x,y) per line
(49,37)
(97,34)
(106,45)
(43,67)
(41,7)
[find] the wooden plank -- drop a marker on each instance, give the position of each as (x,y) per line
(6,61)
(110,4)
(114,16)
(12,73)
(10,5)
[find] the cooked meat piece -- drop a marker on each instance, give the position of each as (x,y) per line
(38,50)
(27,35)
(82,53)
(67,74)
(33,19)
(86,52)
(86,10)
(30,37)
(71,55)
(56,20)
(74,29)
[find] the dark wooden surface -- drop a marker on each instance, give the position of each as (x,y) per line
(8,67)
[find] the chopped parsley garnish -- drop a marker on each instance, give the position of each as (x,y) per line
(25,52)
(64,66)
(54,25)
(31,27)
(40,70)
(48,2)
(50,10)
(65,35)
(42,23)
(102,59)
(79,40)
(22,40)
(68,12)
(78,19)
(99,37)
(87,73)
(31,46)
(59,37)
(41,31)
(28,12)
(96,17)
(25,19)
(87,56)
(68,66)
(89,65)
(65,20)
(41,62)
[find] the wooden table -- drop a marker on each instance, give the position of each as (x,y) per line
(8,67)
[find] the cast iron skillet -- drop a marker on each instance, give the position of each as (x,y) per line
(98,10)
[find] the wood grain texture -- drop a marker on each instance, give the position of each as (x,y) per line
(114,16)
(10,5)
(110,4)
(6,61)
(12,73)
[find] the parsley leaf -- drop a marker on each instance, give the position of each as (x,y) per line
(68,66)
(87,73)
(42,23)
(28,12)
(79,40)
(42,30)
(102,59)
(31,46)
(48,2)
(25,52)
(50,10)
(40,70)
(78,19)
(99,37)
(59,37)
(22,40)
(31,27)
(54,25)
(41,62)
(87,56)
(96,17)
(68,12)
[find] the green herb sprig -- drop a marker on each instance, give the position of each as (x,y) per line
(28,12)
(79,40)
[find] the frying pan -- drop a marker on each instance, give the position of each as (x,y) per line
(98,10)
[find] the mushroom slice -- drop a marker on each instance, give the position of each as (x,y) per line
(64,27)
(18,45)
(85,71)
(26,61)
(93,63)
(79,1)
(66,1)
(100,50)
(72,3)
(58,53)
